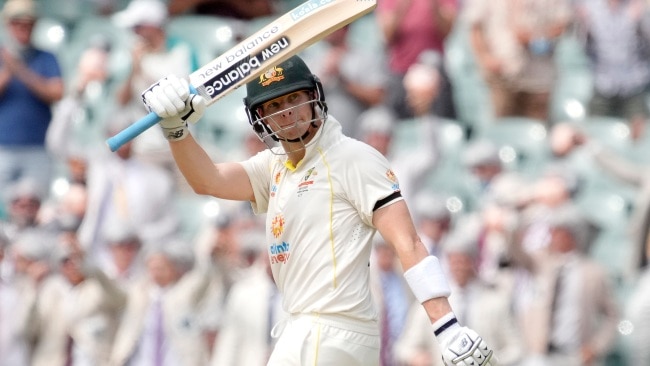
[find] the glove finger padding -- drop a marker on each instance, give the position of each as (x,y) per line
(171,100)
(194,110)
(466,347)
(167,97)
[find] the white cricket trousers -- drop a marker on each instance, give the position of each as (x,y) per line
(325,340)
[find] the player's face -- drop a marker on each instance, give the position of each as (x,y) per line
(290,115)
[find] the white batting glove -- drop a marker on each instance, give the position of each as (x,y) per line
(171,100)
(461,345)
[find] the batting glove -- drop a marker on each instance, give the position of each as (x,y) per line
(171,100)
(461,345)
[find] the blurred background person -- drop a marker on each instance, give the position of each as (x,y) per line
(160,323)
(30,83)
(76,312)
(616,36)
(514,45)
(24,199)
(125,264)
(15,304)
(637,311)
(392,295)
(124,189)
(410,27)
(570,315)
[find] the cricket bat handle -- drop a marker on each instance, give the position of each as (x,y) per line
(135,129)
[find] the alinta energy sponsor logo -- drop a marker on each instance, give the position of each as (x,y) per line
(279,252)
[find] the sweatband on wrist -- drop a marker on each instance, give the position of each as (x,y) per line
(427,280)
(176,134)
(447,321)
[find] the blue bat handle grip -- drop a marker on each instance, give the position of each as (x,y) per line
(132,131)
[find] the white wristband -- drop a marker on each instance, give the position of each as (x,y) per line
(427,280)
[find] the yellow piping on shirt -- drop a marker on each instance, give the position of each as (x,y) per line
(329,180)
(317,345)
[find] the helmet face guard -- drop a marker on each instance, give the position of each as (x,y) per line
(270,132)
(289,76)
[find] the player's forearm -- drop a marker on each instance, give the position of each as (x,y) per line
(194,163)
(436,308)
(226,180)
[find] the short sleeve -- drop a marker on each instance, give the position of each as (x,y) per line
(369,182)
(259,169)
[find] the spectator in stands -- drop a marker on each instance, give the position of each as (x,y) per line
(154,54)
(75,317)
(482,163)
(24,199)
(473,298)
(637,310)
(77,121)
(392,296)
(160,325)
(30,83)
(15,304)
(410,27)
(123,188)
(617,41)
(629,173)
(570,314)
(124,265)
(513,43)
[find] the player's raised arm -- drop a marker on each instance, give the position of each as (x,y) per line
(424,275)
(170,99)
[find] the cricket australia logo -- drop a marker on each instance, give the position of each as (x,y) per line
(307,181)
(272,75)
(393,179)
(279,252)
(274,185)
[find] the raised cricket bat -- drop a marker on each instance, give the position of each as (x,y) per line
(284,37)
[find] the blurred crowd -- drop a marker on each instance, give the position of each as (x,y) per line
(516,128)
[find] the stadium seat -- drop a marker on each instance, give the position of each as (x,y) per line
(523,143)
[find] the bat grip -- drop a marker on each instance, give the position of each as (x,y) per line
(135,129)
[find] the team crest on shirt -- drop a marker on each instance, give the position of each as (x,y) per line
(307,181)
(278,252)
(276,182)
(393,178)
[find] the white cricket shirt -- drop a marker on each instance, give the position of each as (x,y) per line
(319,221)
